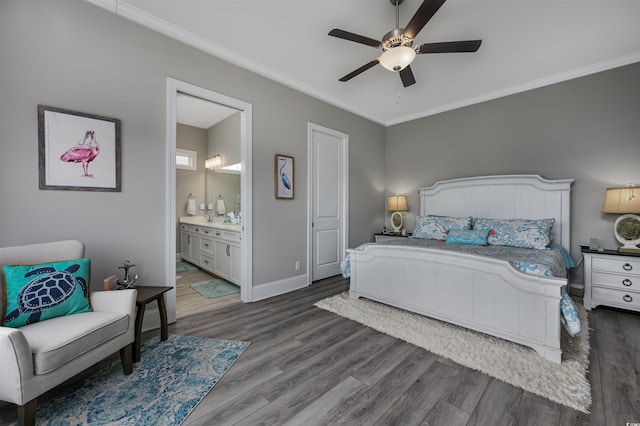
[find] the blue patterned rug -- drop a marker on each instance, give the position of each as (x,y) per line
(171,378)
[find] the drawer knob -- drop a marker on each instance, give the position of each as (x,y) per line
(626,282)
(627,267)
(627,298)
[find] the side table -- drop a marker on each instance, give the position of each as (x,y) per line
(611,278)
(389,237)
(145,296)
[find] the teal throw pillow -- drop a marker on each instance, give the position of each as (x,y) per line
(468,236)
(39,292)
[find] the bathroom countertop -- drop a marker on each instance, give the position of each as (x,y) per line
(202,221)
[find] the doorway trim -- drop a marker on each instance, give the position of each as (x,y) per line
(246,148)
(311,129)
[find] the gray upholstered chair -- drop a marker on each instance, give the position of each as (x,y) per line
(37,357)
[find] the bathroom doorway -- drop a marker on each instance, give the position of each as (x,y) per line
(196,117)
(208,134)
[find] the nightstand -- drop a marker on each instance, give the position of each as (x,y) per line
(388,237)
(611,278)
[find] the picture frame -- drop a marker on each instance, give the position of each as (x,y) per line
(284,183)
(78,151)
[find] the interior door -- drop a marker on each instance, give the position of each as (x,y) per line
(328,200)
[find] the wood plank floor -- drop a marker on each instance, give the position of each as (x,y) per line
(306,366)
(189,301)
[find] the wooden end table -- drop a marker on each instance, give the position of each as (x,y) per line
(145,296)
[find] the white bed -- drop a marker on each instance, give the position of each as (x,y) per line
(479,293)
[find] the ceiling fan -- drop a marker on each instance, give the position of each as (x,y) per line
(396,45)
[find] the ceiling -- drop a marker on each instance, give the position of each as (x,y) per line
(200,113)
(526,44)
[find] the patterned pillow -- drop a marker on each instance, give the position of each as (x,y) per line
(524,233)
(436,227)
(39,292)
(476,237)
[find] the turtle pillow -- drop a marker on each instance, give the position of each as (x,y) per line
(35,293)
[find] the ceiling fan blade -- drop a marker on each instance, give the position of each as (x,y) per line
(406,75)
(360,70)
(427,9)
(450,47)
(346,35)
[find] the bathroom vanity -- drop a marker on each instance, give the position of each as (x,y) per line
(215,247)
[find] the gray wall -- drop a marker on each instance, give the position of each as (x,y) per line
(224,139)
(587,129)
(190,181)
(74,55)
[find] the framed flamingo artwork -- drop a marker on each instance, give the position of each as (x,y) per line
(78,151)
(284,176)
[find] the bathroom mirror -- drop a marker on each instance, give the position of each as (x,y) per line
(227,185)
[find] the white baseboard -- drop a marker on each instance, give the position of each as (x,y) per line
(275,288)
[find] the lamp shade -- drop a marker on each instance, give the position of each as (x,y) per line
(397,203)
(622,200)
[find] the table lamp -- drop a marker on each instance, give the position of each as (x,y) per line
(625,200)
(397,204)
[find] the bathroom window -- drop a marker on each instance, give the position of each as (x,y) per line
(186,159)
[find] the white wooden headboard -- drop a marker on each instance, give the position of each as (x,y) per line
(503,197)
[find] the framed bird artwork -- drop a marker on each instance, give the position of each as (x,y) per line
(78,151)
(284,176)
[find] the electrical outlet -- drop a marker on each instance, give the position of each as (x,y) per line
(297,265)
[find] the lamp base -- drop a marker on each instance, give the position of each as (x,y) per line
(629,250)
(396,222)
(627,231)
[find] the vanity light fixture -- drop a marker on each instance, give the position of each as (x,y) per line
(213,162)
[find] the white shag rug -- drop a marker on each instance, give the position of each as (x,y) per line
(512,363)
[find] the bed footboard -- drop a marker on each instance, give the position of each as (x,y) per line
(483,294)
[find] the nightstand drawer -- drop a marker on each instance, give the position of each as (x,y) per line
(389,237)
(627,298)
(622,282)
(620,266)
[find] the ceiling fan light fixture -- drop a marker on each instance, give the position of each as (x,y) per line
(397,58)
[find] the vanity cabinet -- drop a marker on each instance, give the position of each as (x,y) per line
(212,249)
(207,249)
(228,255)
(190,243)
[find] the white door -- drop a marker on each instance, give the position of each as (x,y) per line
(328,151)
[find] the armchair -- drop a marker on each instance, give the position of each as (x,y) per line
(37,357)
